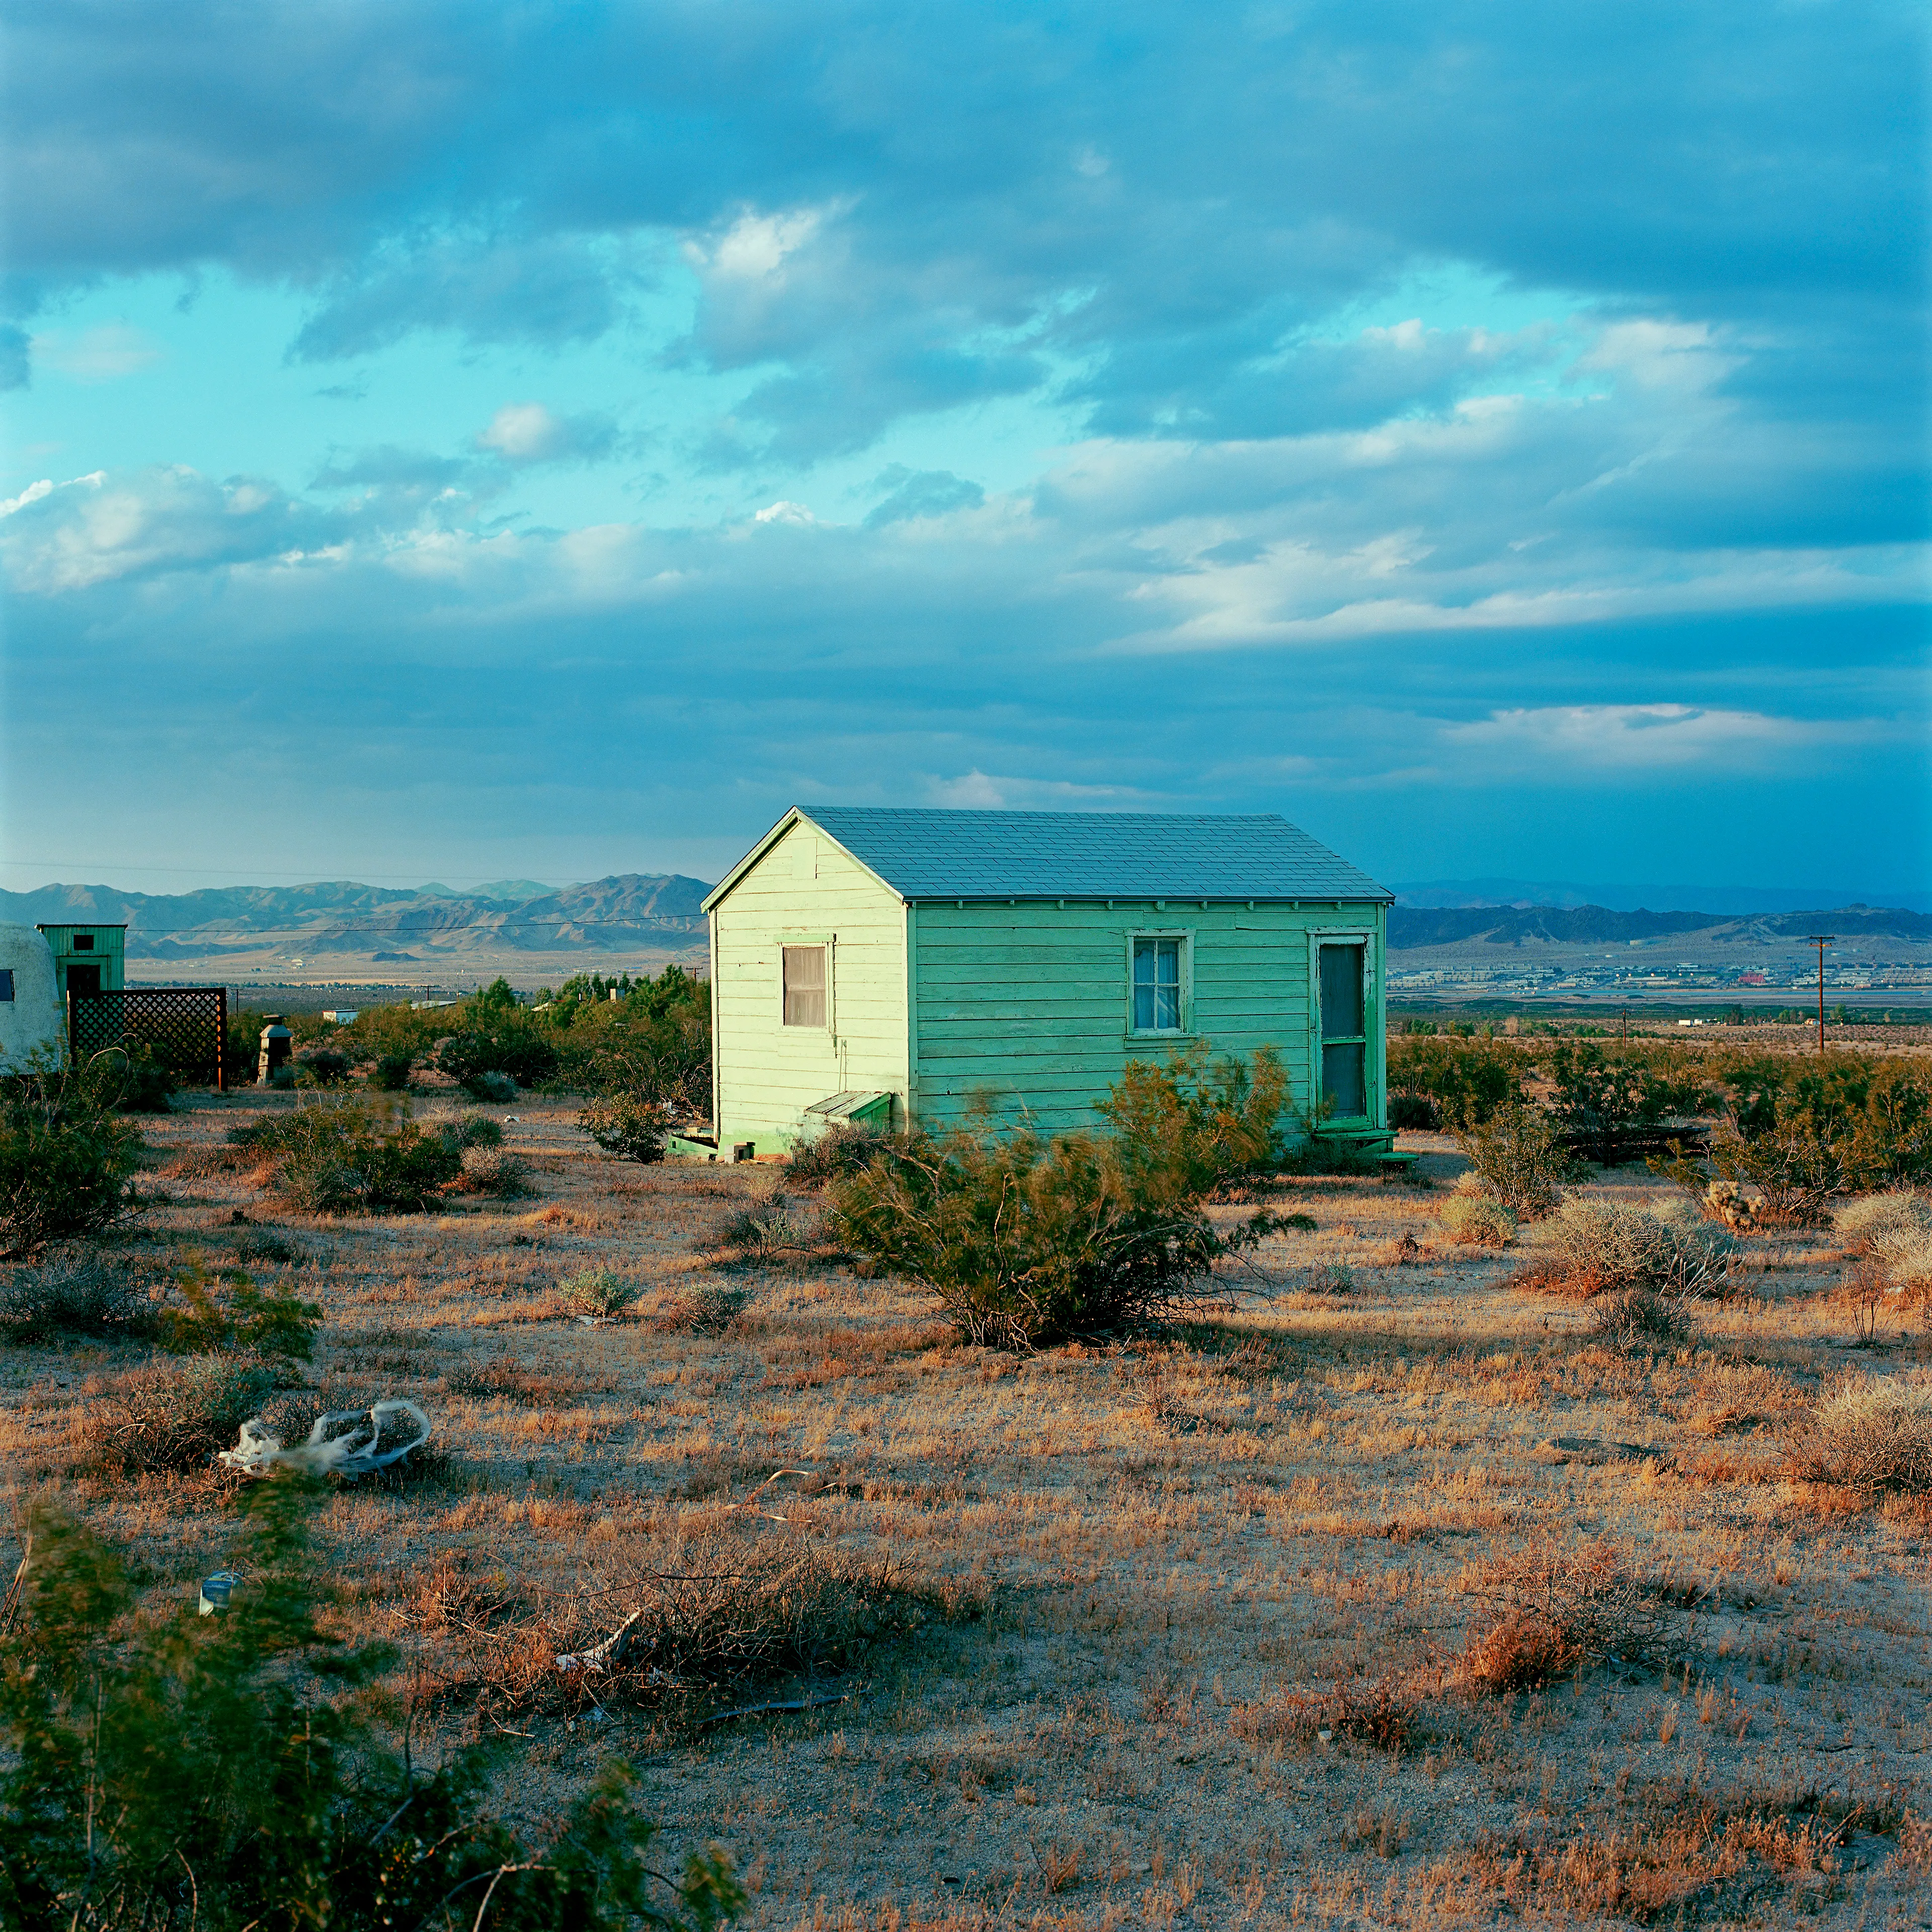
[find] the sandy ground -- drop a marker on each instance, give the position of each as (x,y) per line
(1134,1560)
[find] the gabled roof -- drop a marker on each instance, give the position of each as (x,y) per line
(1080,855)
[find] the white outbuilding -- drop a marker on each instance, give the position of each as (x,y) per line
(33,1023)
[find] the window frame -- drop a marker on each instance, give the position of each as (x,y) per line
(827,942)
(1364,937)
(1184,935)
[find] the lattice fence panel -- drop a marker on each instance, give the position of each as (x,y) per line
(184,1026)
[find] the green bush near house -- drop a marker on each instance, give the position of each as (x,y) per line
(1025,1240)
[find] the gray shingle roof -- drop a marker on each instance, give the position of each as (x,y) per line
(1092,855)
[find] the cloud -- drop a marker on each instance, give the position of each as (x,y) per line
(550,289)
(527,433)
(74,536)
(923,492)
(103,355)
(1593,738)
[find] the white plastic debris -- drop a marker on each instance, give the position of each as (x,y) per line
(343,1442)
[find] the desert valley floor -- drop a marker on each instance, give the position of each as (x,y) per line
(1163,1634)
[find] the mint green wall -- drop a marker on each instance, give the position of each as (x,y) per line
(1029,1001)
(804,890)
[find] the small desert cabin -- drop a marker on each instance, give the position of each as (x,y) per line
(887,966)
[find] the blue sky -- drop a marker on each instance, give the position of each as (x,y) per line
(459,441)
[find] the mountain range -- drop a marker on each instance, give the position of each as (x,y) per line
(340,921)
(629,911)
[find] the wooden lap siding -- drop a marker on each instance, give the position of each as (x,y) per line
(1029,1002)
(805,891)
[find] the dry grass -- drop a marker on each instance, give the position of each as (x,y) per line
(1089,1611)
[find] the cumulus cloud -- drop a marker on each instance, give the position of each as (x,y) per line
(94,529)
(528,433)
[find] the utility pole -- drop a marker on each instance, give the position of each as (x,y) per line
(1821,940)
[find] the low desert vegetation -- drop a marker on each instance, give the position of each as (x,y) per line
(1376,1577)
(230,1772)
(631,1128)
(66,1160)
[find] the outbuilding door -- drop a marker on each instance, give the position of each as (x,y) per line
(1342,993)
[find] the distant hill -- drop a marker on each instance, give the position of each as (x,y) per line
(1583,925)
(629,911)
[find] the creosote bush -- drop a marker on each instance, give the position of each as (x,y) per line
(627,1125)
(222,1311)
(1520,1157)
(1025,1240)
(65,1159)
(231,1772)
(705,1308)
(494,1172)
(352,1155)
(766,1229)
(842,1151)
(390,1073)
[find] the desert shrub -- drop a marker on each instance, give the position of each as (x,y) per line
(766,1228)
(74,1292)
(628,1125)
(226,1771)
(264,1246)
(175,1415)
(134,1082)
(1330,1278)
(841,1150)
(390,1073)
(504,1040)
(65,1159)
(343,1156)
(1458,1083)
(1552,1616)
(322,1067)
(599,1292)
(1520,1157)
(728,1617)
(471,1130)
(1413,1113)
(1609,1106)
(705,1308)
(1599,1247)
(1476,1219)
(223,1312)
(1642,1319)
(1381,1712)
(1803,1133)
(1181,1129)
(1894,1228)
(1024,1239)
(1873,1435)
(495,1172)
